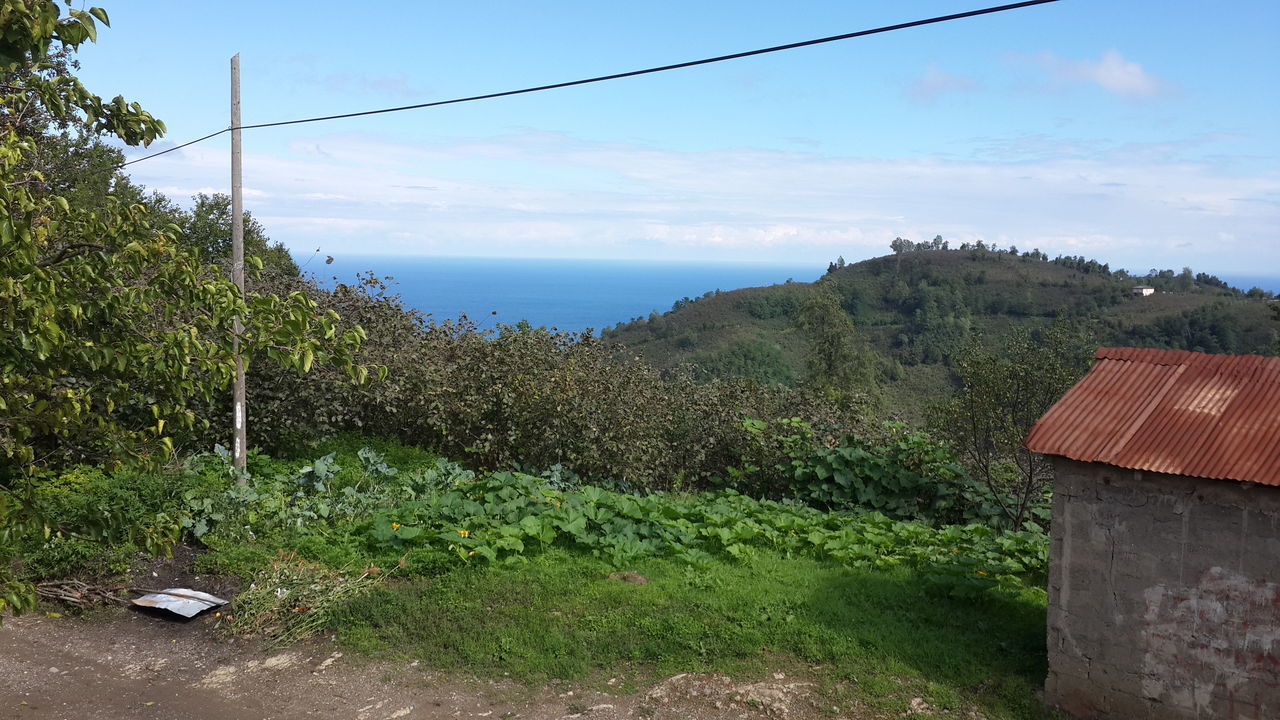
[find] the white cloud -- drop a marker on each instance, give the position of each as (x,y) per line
(937,82)
(1112,72)
(555,195)
(349,83)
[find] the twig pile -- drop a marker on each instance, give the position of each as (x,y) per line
(80,594)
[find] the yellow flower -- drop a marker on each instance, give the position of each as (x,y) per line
(464,533)
(395,526)
(982,573)
(954,550)
(557,504)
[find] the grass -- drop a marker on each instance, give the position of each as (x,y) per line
(875,638)
(734,585)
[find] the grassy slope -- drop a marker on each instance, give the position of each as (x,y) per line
(874,638)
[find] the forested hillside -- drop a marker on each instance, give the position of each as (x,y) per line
(911,310)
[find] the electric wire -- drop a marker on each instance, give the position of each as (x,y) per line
(615,76)
(177,147)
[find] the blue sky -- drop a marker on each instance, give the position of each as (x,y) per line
(1140,133)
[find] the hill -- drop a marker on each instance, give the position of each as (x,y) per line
(912,309)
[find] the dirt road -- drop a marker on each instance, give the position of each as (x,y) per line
(127,665)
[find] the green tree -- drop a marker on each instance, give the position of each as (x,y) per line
(835,357)
(1275,310)
(1005,388)
(206,228)
(1186,280)
(110,332)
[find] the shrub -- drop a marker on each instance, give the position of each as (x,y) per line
(904,475)
(519,396)
(423,523)
(754,358)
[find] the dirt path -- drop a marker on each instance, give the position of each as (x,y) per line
(132,666)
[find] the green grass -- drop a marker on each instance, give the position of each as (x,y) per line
(876,637)
(737,585)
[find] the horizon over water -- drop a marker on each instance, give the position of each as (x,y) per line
(577,294)
(567,294)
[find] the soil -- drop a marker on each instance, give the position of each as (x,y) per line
(136,664)
(130,665)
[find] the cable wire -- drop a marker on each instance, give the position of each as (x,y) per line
(176,147)
(619,76)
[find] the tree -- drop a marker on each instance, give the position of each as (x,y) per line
(1186,280)
(901,245)
(1005,388)
(835,360)
(1275,309)
(207,230)
(110,331)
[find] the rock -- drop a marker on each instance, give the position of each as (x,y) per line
(919,707)
(630,576)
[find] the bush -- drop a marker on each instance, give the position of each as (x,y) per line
(754,358)
(84,522)
(518,397)
(904,475)
(425,522)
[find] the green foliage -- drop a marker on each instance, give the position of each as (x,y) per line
(916,308)
(783,302)
(1005,389)
(905,475)
(112,333)
(522,397)
(1217,327)
(206,229)
(766,467)
(754,358)
(64,556)
(836,360)
(446,510)
(30,29)
(87,522)
(112,337)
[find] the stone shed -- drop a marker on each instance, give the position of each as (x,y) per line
(1164,582)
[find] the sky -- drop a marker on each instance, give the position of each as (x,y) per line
(1143,133)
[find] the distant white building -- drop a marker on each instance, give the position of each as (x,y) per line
(1143,290)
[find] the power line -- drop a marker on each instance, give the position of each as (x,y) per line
(619,76)
(176,147)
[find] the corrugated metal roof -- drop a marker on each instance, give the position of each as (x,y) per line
(1171,411)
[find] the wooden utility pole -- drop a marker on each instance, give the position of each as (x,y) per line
(237,262)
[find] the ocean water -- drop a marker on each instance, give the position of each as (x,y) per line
(1246,282)
(567,294)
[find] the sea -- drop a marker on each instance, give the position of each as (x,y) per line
(1270,283)
(572,295)
(576,295)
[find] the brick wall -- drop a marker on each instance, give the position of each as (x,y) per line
(1164,596)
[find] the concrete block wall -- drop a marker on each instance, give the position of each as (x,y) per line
(1164,596)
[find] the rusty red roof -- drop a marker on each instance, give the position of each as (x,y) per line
(1171,411)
